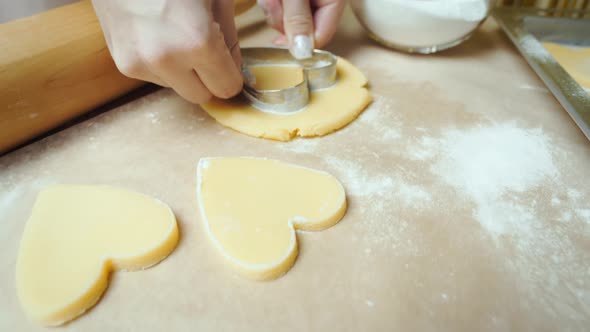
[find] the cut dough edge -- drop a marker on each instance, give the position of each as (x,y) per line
(286,133)
(264,272)
(97,287)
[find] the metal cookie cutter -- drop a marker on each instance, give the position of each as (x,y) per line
(319,72)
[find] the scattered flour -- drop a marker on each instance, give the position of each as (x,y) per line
(301,145)
(487,163)
(425,150)
(381,116)
(584,215)
(566,216)
(574,194)
(8,199)
(496,167)
(370,303)
(412,195)
(358,181)
(153,116)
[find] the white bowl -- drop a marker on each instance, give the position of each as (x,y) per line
(421,26)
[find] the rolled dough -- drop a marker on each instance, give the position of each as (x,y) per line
(251,208)
(265,76)
(576,61)
(76,235)
(329,109)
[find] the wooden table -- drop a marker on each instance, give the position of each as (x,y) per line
(469,204)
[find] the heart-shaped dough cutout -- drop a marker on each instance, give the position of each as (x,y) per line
(251,208)
(76,235)
(265,76)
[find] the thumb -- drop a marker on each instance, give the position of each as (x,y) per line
(298,24)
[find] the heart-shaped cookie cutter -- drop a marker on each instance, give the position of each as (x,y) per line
(319,72)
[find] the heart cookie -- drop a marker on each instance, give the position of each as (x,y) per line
(251,208)
(76,235)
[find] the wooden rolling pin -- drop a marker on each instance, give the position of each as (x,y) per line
(55,66)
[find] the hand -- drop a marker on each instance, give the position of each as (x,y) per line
(188,45)
(305,24)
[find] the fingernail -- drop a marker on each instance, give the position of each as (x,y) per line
(302,47)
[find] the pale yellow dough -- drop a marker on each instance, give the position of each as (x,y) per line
(265,77)
(251,208)
(576,61)
(329,109)
(76,235)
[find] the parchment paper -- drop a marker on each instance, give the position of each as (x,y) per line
(420,249)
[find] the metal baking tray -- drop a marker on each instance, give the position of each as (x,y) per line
(528,29)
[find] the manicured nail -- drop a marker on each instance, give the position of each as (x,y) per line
(302,47)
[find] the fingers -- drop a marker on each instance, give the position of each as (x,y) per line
(273,11)
(281,41)
(201,67)
(176,73)
(187,84)
(326,18)
(298,25)
(191,47)
(291,17)
(223,14)
(130,65)
(216,67)
(197,71)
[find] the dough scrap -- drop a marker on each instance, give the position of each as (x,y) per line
(575,61)
(251,208)
(76,235)
(329,109)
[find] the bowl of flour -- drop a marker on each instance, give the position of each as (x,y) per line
(421,26)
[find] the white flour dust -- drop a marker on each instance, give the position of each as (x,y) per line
(380,196)
(379,191)
(381,116)
(584,215)
(427,149)
(509,174)
(8,199)
(490,163)
(412,195)
(301,145)
(153,116)
(359,181)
